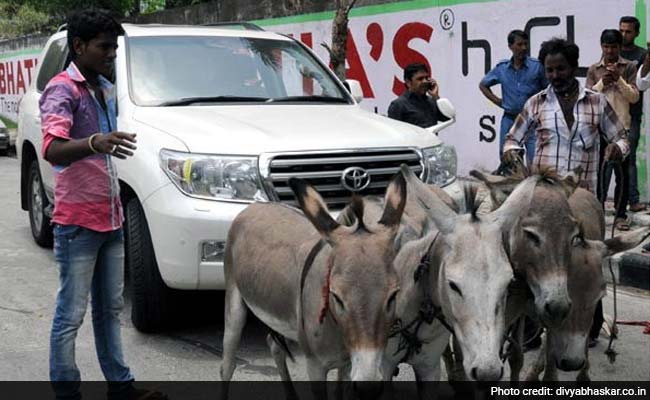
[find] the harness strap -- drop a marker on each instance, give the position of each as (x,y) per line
(305,270)
(428,311)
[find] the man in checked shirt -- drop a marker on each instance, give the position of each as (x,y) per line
(567,120)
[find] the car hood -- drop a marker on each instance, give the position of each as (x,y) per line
(256,129)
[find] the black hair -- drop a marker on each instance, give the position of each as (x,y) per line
(90,23)
(569,50)
(611,36)
(628,19)
(513,35)
(412,69)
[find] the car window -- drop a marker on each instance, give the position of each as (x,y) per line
(53,63)
(166,69)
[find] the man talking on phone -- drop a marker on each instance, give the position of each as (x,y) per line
(417,105)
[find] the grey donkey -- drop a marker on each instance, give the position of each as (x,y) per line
(330,288)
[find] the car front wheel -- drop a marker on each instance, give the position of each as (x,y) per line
(151,309)
(37,202)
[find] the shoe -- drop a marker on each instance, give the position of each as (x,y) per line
(622,224)
(592,342)
(638,207)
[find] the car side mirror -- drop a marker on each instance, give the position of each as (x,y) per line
(354,87)
(446,108)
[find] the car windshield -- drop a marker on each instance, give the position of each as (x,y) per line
(191,70)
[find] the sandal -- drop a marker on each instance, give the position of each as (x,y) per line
(622,224)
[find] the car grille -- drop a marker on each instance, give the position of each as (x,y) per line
(324,171)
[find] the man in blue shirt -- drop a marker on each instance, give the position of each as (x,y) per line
(520,78)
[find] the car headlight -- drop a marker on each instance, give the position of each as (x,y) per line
(440,165)
(213,177)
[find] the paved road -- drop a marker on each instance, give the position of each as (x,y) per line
(28,283)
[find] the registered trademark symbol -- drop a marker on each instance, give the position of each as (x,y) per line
(447,19)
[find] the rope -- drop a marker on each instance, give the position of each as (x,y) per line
(610,352)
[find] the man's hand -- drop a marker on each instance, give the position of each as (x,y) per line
(434,89)
(115,144)
(613,153)
(511,157)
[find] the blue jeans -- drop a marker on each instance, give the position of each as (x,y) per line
(506,123)
(92,263)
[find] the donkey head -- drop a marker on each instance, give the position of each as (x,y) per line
(362,286)
(475,271)
(541,247)
(568,343)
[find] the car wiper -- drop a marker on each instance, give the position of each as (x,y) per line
(313,98)
(211,99)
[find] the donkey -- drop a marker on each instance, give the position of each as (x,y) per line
(329,287)
(587,252)
(458,272)
(541,250)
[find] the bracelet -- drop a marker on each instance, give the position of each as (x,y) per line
(90,143)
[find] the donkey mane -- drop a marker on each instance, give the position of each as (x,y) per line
(472,201)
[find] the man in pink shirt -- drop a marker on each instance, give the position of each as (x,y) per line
(80,140)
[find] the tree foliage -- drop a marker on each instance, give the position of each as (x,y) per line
(22,17)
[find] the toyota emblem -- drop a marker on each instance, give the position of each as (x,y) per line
(355,179)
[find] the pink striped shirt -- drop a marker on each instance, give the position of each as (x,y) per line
(86,192)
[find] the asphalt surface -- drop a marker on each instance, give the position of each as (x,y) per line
(192,351)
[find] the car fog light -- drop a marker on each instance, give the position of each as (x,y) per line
(212,251)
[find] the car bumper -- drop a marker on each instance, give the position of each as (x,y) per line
(182,224)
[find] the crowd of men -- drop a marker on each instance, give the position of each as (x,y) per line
(551,119)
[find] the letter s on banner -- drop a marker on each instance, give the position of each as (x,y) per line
(405,55)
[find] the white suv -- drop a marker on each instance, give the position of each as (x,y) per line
(224,117)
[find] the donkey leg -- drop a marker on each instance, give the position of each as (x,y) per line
(234,321)
(343,384)
(550,369)
(280,358)
(318,377)
(516,359)
(538,366)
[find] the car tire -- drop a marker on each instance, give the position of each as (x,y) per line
(151,298)
(37,202)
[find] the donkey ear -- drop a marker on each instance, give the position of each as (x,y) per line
(395,201)
(516,205)
(443,217)
(500,186)
(626,241)
(313,206)
(570,182)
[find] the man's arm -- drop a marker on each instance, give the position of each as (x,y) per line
(627,86)
(66,151)
(643,76)
(612,129)
(591,83)
(489,80)
(56,105)
(523,127)
(395,110)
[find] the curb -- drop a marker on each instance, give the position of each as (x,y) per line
(631,268)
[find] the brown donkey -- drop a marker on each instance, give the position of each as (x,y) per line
(329,287)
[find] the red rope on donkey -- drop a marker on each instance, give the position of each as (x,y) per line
(325,291)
